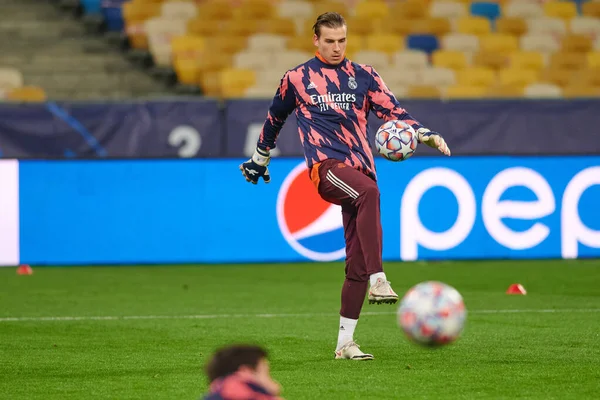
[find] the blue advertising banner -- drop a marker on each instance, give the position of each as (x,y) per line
(203,128)
(99,130)
(199,211)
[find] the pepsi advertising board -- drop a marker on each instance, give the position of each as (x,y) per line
(203,211)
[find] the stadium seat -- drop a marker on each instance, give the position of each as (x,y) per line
(567,60)
(476,76)
(465,91)
(527,60)
(374,9)
(430,26)
(291,58)
(423,92)
(547,25)
(91,6)
(585,26)
(255,9)
(399,91)
(204,27)
(559,77)
(325,6)
(409,9)
(228,44)
(160,31)
(591,8)
(410,59)
(593,60)
(438,76)
(32,94)
(304,43)
(10,78)
(235,27)
(519,8)
(377,59)
(519,77)
(426,43)
(498,43)
(234,82)
(452,59)
(187,71)
(560,9)
(485,9)
(511,25)
(253,59)
(354,43)
(395,76)
(505,91)
(539,42)
(580,91)
(586,76)
(447,9)
(214,11)
(363,25)
(295,9)
(473,25)
(279,26)
(266,42)
(491,59)
(135,15)
(543,90)
(576,43)
(386,43)
(461,42)
(112,12)
(187,47)
(181,10)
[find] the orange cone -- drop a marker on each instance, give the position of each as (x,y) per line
(24,269)
(516,288)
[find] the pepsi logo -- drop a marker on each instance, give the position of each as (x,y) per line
(311,226)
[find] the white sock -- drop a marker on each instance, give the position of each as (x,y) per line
(346,332)
(373,278)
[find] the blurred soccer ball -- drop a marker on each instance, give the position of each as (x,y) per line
(432,314)
(396,140)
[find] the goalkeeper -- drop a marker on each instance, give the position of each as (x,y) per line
(332,98)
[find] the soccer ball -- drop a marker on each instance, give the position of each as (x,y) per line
(396,140)
(432,314)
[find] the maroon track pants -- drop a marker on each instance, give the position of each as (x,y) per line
(358,195)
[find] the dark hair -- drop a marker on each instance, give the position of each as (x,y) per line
(329,20)
(228,360)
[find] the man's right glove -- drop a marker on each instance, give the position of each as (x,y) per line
(256,166)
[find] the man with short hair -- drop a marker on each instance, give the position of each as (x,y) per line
(240,372)
(332,97)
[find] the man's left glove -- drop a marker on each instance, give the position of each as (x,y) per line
(433,139)
(256,166)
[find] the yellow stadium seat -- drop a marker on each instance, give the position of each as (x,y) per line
(476,76)
(518,77)
(567,60)
(505,91)
(576,43)
(586,76)
(187,47)
(591,8)
(255,9)
(560,9)
(491,59)
(527,60)
(354,43)
(214,10)
(228,44)
(560,77)
(474,25)
(363,25)
(280,26)
(31,94)
(204,27)
(334,6)
(214,62)
(543,90)
(234,82)
(465,91)
(511,25)
(187,71)
(387,43)
(498,43)
(134,16)
(371,9)
(210,84)
(302,42)
(431,26)
(423,92)
(247,28)
(449,59)
(581,91)
(410,9)
(593,60)
(396,25)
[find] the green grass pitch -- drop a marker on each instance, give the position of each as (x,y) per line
(146,332)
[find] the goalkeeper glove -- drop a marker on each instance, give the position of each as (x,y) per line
(256,166)
(433,139)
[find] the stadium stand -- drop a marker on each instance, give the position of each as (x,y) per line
(448,48)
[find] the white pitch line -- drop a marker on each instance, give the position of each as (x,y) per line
(305,315)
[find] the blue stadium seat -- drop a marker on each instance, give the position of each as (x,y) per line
(112,11)
(485,9)
(91,6)
(426,43)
